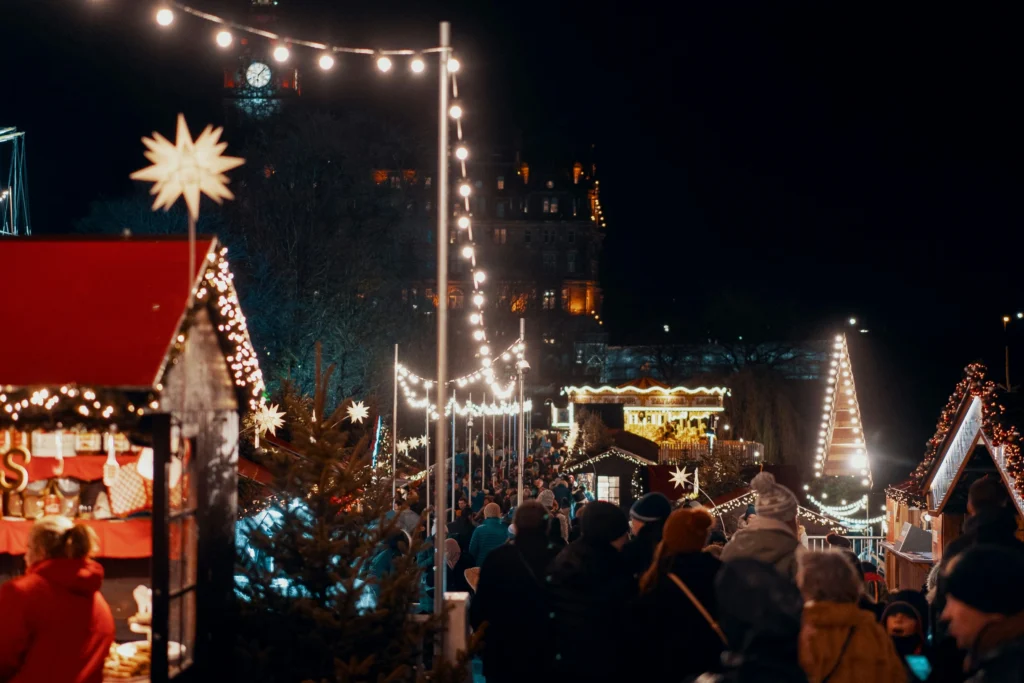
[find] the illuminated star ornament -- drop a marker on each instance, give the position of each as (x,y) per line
(187,168)
(357,412)
(680,478)
(268,419)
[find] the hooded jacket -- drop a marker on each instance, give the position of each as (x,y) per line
(845,643)
(766,540)
(998,653)
(55,625)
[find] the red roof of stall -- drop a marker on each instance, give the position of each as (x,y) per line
(100,312)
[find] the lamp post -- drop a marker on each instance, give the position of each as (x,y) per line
(522,367)
(443,207)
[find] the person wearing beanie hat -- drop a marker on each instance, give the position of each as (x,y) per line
(985,611)
(646,518)
(589,586)
(770,536)
(559,527)
(666,614)
(905,620)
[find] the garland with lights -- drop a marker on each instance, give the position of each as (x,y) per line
(840,374)
(802,512)
(973,384)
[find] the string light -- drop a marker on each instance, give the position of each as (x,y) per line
(417,65)
(164,16)
(455,111)
(224,38)
(326,61)
(384,63)
(453,65)
(463,222)
(461,153)
(281,53)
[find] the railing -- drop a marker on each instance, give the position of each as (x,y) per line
(748,452)
(867,548)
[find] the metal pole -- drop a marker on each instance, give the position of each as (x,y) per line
(394,435)
(426,453)
(520,425)
(443,209)
(454,406)
(469,441)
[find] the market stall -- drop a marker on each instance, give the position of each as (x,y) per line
(975,437)
(120,408)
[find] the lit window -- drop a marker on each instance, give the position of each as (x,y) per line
(549,302)
(501,182)
(455,298)
(608,489)
(547,206)
(551,184)
(554,205)
(426,182)
(451,237)
(499,235)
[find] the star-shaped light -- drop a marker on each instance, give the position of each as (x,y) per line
(268,419)
(187,167)
(680,479)
(403,446)
(357,412)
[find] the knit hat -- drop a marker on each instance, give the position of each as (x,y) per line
(651,507)
(602,522)
(987,578)
(773,500)
(837,541)
(546,498)
(579,496)
(685,531)
(913,604)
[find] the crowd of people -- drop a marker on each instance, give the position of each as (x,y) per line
(565,587)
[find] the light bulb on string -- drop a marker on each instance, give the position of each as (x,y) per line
(479,276)
(326,61)
(164,16)
(479,335)
(455,111)
(463,222)
(465,190)
(224,38)
(281,53)
(478,299)
(467,252)
(417,64)
(461,153)
(453,65)
(384,63)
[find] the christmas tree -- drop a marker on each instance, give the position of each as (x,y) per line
(329,578)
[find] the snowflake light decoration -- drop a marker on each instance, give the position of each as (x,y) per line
(357,412)
(187,167)
(268,419)
(680,479)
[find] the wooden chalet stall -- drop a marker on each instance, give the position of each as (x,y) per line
(122,376)
(617,476)
(975,437)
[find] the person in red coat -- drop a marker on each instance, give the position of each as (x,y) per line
(54,624)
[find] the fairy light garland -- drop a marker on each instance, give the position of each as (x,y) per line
(802,512)
(841,391)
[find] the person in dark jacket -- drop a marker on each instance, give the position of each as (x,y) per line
(759,610)
(589,586)
(679,641)
(985,611)
(905,620)
(456,564)
(990,520)
(462,528)
(646,520)
(510,601)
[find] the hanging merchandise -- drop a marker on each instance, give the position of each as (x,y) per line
(110,467)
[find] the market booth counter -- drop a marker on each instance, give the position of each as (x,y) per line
(975,437)
(121,409)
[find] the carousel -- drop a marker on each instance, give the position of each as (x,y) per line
(120,398)
(975,437)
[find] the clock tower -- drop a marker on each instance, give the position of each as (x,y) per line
(255,85)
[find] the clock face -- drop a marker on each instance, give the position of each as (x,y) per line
(258,75)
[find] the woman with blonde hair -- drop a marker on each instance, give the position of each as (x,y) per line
(55,625)
(839,642)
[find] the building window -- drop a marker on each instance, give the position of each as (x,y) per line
(549,236)
(549,302)
(608,489)
(452,237)
(499,235)
(427,206)
(550,259)
(551,184)
(396,181)
(426,182)
(570,261)
(500,208)
(554,205)
(430,236)
(501,182)
(547,206)
(571,237)
(455,298)
(527,236)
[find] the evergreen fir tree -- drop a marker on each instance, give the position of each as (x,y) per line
(328,579)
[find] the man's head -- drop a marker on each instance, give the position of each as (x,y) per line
(773,500)
(539,483)
(602,522)
(462,503)
(983,587)
(651,508)
(492,511)
(530,519)
(987,493)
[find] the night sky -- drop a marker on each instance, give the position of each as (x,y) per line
(796,163)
